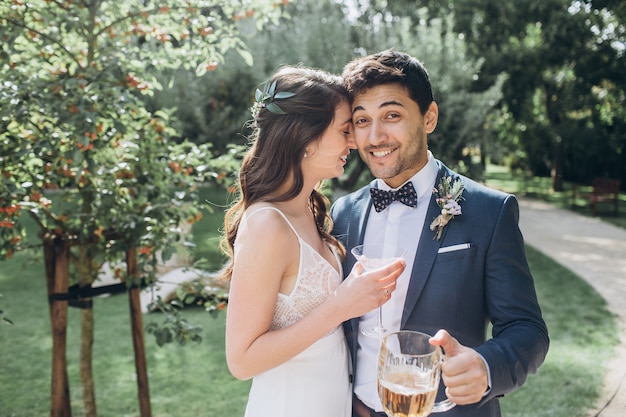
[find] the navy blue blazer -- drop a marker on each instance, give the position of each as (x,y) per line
(463,291)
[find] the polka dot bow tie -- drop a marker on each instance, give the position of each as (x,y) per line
(406,195)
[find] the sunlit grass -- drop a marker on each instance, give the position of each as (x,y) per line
(184,380)
(583,335)
(540,188)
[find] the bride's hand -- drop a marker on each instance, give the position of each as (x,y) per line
(361,292)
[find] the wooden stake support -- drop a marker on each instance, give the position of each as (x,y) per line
(57,261)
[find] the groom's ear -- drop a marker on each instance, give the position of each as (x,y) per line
(431,117)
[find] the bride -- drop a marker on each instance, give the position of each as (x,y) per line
(287,299)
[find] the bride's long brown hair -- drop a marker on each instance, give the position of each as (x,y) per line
(278,144)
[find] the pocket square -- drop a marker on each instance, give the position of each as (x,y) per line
(453,248)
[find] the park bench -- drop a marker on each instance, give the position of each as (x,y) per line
(603,190)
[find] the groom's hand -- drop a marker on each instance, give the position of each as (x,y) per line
(463,371)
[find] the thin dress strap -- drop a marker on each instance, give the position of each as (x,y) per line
(279,212)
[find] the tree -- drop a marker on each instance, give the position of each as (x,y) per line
(564,91)
(73,121)
(565,64)
(215,107)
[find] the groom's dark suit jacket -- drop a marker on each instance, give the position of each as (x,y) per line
(462,291)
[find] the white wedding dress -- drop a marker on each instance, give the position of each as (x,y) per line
(316,382)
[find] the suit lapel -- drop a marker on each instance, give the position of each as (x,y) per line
(425,256)
(356,228)
(356,232)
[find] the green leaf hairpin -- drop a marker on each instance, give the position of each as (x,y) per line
(266,99)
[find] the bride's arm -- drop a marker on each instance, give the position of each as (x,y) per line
(268,252)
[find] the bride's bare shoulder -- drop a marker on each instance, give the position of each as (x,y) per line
(264,222)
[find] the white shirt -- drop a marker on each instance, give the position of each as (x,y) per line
(389,227)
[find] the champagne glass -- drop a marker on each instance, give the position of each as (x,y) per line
(409,370)
(371,257)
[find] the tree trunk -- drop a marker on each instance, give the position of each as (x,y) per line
(49,253)
(86,370)
(58,251)
(554,116)
(557,165)
(86,334)
(137,333)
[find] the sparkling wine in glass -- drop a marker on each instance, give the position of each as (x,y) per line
(371,257)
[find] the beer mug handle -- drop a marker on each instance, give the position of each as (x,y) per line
(442,406)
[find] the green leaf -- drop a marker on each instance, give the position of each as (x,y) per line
(274,108)
(284,94)
(163,336)
(271,89)
(119,126)
(246,55)
(168,252)
(162,114)
(201,69)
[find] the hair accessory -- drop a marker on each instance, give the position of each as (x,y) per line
(265,99)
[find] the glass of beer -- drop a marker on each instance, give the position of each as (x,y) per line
(409,370)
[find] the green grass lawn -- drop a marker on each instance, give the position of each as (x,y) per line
(184,381)
(194,381)
(540,188)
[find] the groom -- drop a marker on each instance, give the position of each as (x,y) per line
(466,263)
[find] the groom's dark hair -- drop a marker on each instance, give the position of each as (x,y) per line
(389,67)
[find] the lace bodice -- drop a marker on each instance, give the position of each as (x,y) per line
(316,280)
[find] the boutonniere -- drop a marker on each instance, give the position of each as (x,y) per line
(448,194)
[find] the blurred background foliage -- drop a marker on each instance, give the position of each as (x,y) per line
(537,86)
